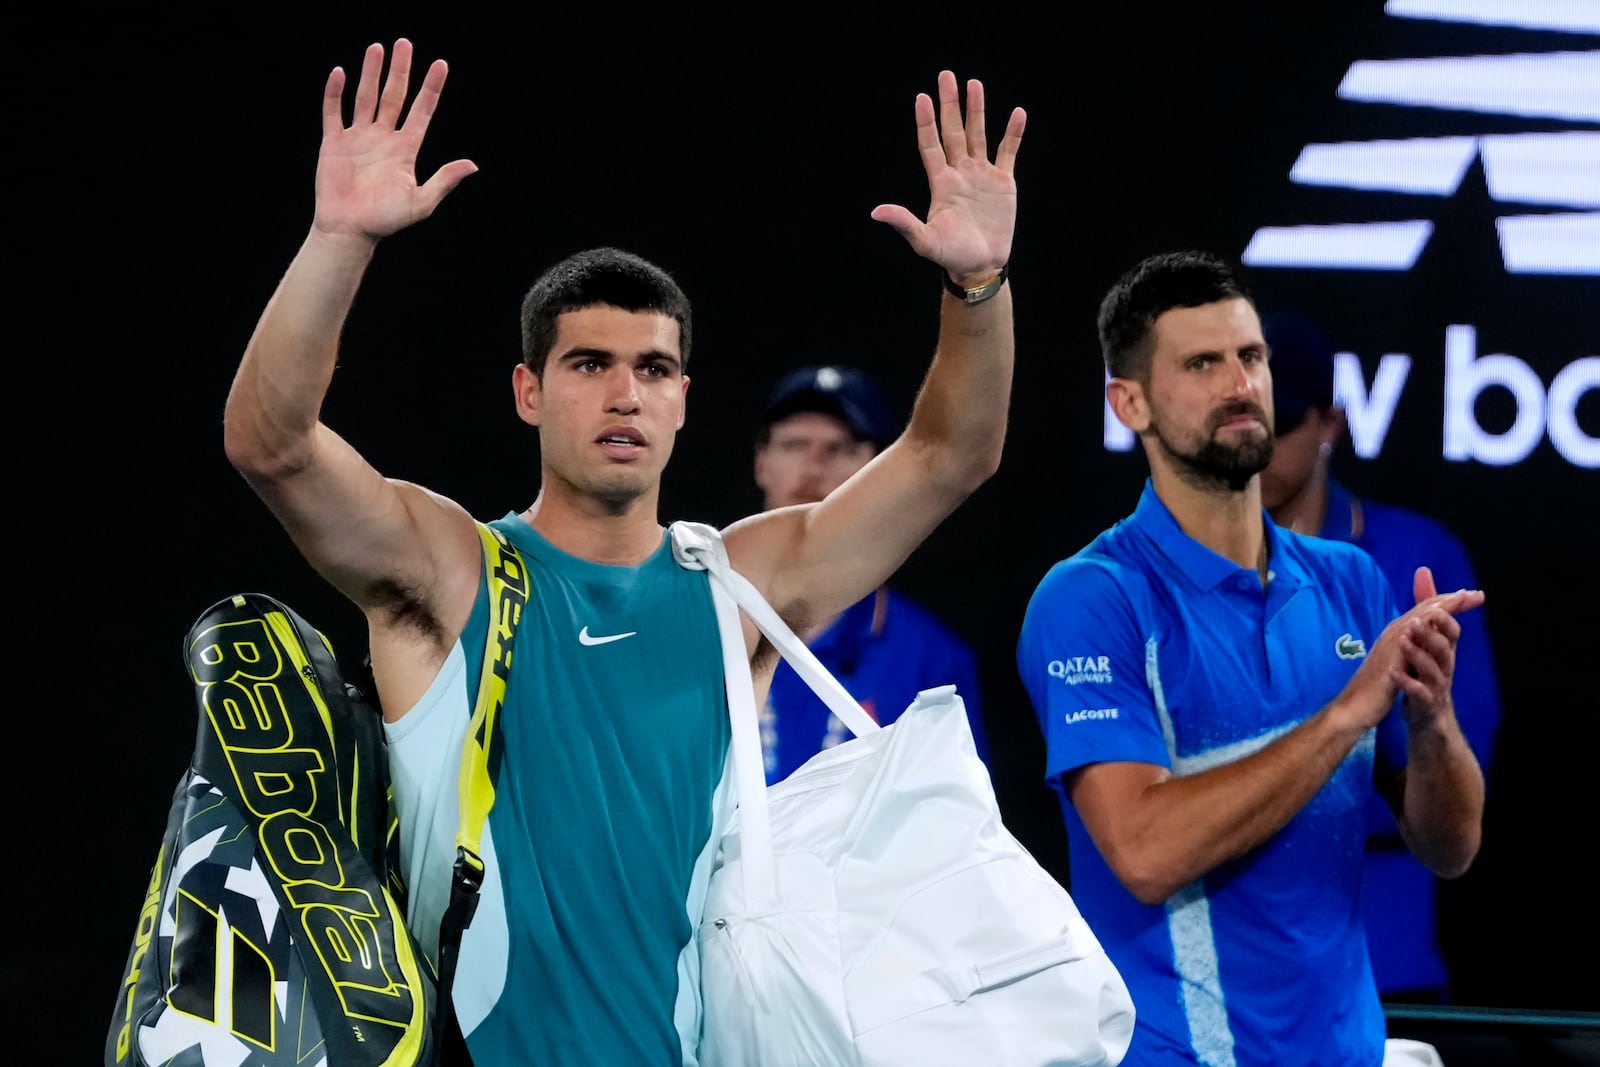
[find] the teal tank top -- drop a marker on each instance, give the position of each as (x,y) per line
(615,738)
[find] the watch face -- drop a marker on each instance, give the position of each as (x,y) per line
(981,293)
(977,296)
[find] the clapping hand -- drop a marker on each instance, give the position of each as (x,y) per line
(1414,656)
(1427,650)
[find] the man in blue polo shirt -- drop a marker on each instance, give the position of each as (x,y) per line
(821,425)
(1219,696)
(1399,896)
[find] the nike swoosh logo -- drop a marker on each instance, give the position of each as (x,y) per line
(585,639)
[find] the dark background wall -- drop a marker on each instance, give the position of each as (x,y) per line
(160,173)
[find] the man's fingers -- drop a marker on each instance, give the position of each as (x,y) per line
(395,86)
(1441,625)
(444,180)
(905,223)
(1414,690)
(367,88)
(1422,586)
(977,139)
(333,103)
(427,101)
(951,130)
(928,146)
(1461,600)
(1454,603)
(1435,615)
(1429,655)
(1005,157)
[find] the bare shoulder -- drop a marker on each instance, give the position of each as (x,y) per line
(418,606)
(432,578)
(758,544)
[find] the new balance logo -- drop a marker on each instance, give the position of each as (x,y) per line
(1557,173)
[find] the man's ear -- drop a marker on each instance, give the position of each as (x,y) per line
(683,408)
(761,467)
(1129,403)
(529,392)
(1333,432)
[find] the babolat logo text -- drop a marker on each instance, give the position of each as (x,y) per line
(1350,647)
(1075,670)
(1086,714)
(286,782)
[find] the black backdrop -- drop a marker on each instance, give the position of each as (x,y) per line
(161,178)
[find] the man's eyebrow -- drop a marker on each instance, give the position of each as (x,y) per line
(651,355)
(587,353)
(658,356)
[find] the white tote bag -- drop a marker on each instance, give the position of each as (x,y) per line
(871,909)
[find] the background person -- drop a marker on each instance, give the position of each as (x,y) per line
(1399,896)
(821,425)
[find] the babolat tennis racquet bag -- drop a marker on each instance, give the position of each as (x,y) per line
(273,928)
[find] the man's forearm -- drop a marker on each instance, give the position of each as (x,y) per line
(1239,806)
(959,420)
(278,390)
(1442,808)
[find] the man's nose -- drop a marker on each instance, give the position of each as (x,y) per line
(622,394)
(815,461)
(1241,381)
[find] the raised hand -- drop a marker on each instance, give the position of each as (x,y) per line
(972,209)
(366,172)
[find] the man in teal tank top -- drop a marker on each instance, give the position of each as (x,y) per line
(612,782)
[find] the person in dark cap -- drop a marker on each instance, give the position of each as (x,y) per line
(821,424)
(1399,898)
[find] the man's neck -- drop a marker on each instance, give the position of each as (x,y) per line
(1224,520)
(592,530)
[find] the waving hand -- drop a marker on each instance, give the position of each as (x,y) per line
(972,209)
(366,171)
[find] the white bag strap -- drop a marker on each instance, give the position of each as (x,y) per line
(697,546)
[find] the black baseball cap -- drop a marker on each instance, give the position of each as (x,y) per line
(844,392)
(1302,367)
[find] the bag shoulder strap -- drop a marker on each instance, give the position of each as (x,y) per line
(507,575)
(697,546)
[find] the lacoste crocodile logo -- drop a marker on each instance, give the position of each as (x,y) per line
(1350,647)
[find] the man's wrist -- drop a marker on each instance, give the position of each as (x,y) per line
(976,291)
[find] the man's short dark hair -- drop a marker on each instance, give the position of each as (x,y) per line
(1154,285)
(598,276)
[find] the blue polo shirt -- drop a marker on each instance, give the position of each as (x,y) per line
(1148,646)
(1398,903)
(883,649)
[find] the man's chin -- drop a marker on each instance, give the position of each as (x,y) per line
(1229,468)
(618,494)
